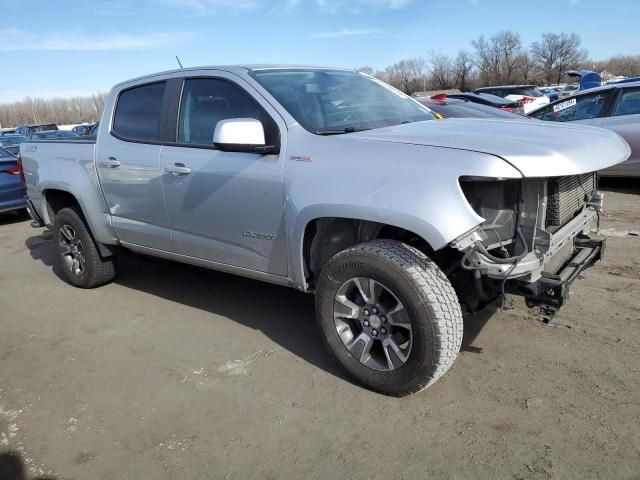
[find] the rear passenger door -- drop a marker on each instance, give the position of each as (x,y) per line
(225,207)
(128,161)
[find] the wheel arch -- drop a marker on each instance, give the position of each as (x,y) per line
(55,199)
(320,238)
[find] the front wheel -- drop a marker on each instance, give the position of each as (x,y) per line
(78,253)
(389,315)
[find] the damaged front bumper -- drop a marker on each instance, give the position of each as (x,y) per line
(542,256)
(551,290)
(543,276)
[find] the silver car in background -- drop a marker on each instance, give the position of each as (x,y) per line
(615,107)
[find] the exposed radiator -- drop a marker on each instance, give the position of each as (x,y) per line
(566,196)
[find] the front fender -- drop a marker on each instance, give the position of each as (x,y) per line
(408,186)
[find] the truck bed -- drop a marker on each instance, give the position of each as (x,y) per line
(69,165)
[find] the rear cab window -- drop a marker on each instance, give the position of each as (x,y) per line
(138,113)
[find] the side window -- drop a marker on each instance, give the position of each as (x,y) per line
(206,101)
(628,103)
(580,107)
(138,112)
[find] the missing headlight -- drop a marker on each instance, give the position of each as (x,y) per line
(495,201)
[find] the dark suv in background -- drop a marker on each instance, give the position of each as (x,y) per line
(29,129)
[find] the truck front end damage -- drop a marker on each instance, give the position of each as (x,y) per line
(535,239)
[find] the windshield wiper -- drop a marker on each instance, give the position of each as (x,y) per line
(334,131)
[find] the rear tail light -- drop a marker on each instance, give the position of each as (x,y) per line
(20,171)
(527,99)
(13,171)
(507,109)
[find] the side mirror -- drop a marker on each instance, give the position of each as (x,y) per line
(241,135)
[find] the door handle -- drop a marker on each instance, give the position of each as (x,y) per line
(111,162)
(177,169)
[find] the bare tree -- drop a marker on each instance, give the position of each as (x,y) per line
(497,57)
(463,69)
(525,69)
(55,110)
(625,65)
(442,71)
(366,69)
(557,53)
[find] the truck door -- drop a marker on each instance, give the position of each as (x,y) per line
(128,161)
(225,207)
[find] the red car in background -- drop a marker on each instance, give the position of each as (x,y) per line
(449,106)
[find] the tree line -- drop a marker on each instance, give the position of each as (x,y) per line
(61,111)
(497,60)
(501,59)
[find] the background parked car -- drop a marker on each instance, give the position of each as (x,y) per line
(83,129)
(12,190)
(549,92)
(586,79)
(52,135)
(490,100)
(614,106)
(529,95)
(462,108)
(567,91)
(12,142)
(29,129)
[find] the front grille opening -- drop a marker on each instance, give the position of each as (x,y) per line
(566,196)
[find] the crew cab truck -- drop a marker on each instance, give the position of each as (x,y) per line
(334,183)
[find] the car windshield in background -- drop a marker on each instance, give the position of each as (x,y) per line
(473,110)
(12,140)
(52,134)
(529,92)
(42,128)
(332,101)
(6,154)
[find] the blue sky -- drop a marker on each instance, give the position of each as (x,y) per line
(63,48)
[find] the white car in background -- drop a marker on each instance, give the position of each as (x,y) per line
(528,95)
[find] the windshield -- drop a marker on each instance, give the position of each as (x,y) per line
(53,134)
(12,140)
(527,91)
(5,154)
(330,101)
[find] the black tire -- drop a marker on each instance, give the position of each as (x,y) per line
(97,270)
(428,298)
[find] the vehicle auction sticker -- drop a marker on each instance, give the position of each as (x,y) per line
(562,105)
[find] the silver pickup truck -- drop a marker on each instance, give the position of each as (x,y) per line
(334,183)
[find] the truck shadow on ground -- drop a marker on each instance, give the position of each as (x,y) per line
(284,315)
(12,467)
(619,185)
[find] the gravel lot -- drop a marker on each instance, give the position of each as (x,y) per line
(178,372)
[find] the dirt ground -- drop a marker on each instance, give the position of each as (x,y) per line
(178,372)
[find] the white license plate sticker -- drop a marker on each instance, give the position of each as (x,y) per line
(562,105)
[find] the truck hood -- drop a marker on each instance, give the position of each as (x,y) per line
(535,148)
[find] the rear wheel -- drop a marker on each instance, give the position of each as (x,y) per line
(78,253)
(389,315)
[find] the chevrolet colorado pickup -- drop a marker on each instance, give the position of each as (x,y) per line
(334,183)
